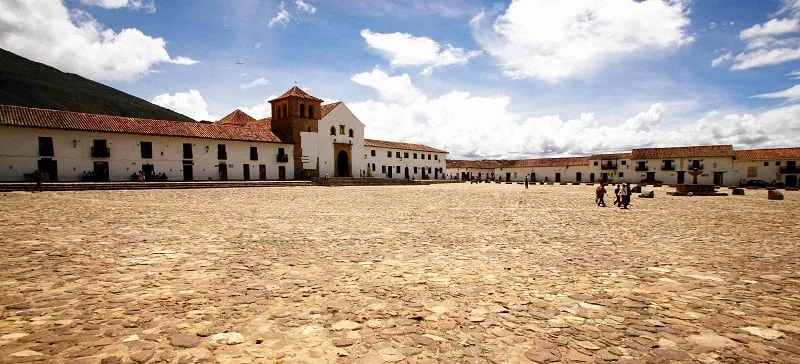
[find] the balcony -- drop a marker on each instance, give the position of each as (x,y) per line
(101,152)
(283,158)
(641,168)
(697,166)
(790,170)
(667,167)
(222,156)
(605,166)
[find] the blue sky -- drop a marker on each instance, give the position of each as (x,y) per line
(481,79)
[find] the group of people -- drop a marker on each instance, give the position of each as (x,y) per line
(622,193)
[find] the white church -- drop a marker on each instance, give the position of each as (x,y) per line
(302,139)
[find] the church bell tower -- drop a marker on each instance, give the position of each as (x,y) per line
(295,112)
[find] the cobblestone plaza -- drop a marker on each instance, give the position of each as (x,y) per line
(454,273)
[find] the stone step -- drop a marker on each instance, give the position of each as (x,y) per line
(101,186)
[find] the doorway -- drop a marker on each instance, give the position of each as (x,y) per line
(49,170)
(223,171)
(591,177)
(407,175)
(342,164)
(436,173)
(578,176)
(246,172)
(390,168)
(533,177)
(508,176)
(188,172)
(262,172)
(149,172)
(791,181)
(651,176)
(281,173)
(718,178)
(558,177)
(681,177)
(101,171)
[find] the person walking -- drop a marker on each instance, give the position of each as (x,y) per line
(616,193)
(625,195)
(37,177)
(600,194)
(526,182)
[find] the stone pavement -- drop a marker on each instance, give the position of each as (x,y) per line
(409,274)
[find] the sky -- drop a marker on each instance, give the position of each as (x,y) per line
(480,79)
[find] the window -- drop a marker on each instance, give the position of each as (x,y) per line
(436,157)
(302,110)
(285,112)
(333,130)
(429,171)
(373,167)
(621,175)
(595,163)
(389,154)
(46,147)
(187,150)
(397,154)
(415,170)
(415,155)
(422,156)
(383,169)
(350,133)
(372,152)
(398,169)
(624,162)
(253,153)
(766,164)
(310,112)
(222,153)
(429,157)
(341,129)
(778,163)
(146,149)
(405,155)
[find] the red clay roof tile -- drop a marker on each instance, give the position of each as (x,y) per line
(683,152)
(768,154)
(296,92)
(329,107)
(397,145)
(68,120)
(551,162)
(237,117)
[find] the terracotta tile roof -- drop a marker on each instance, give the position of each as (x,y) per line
(237,117)
(768,154)
(68,120)
(551,162)
(296,92)
(481,164)
(397,145)
(610,156)
(329,107)
(683,152)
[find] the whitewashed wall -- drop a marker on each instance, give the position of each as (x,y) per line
(341,115)
(382,159)
(19,153)
(710,165)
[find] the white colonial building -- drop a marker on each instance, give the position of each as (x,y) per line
(712,164)
(403,160)
(302,139)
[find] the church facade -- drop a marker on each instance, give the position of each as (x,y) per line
(302,139)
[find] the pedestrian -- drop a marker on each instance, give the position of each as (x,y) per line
(526,182)
(616,193)
(600,194)
(625,195)
(37,177)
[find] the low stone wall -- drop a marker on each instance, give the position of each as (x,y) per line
(342,181)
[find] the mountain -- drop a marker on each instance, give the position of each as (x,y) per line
(27,83)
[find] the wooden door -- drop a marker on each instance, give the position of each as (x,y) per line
(281,173)
(262,172)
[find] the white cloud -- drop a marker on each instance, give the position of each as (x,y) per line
(554,39)
(189,103)
(305,7)
(46,31)
(773,42)
(282,17)
(482,126)
(403,49)
(791,94)
(184,61)
(147,5)
(261,81)
(721,59)
(259,111)
(794,75)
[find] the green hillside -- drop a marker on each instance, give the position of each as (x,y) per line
(27,83)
